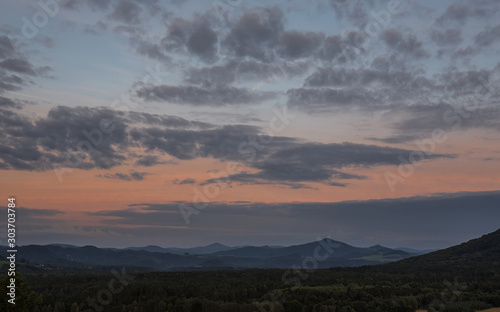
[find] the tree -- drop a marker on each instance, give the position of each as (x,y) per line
(24,299)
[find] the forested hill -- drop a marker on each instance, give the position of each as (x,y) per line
(480,254)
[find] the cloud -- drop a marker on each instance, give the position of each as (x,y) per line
(151,50)
(243,71)
(388,86)
(148,161)
(220,143)
(355,12)
(408,45)
(7,47)
(459,13)
(18,66)
(185,181)
(318,100)
(419,122)
(197,36)
(321,163)
(16,71)
(255,34)
(488,36)
(203,42)
(54,141)
(132,176)
(126,12)
(450,36)
(294,44)
(198,96)
(68,134)
(8,103)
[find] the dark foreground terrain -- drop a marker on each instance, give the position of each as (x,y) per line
(461,278)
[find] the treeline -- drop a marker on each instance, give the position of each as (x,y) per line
(334,290)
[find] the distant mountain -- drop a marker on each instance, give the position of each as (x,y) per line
(327,252)
(341,254)
(63,245)
(215,247)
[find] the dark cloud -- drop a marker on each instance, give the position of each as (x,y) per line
(68,134)
(220,143)
(256,33)
(459,13)
(471,84)
(149,161)
(127,12)
(18,66)
(450,36)
(245,178)
(319,100)
(70,128)
(194,95)
(7,47)
(420,121)
(344,48)
(196,36)
(8,103)
(408,45)
(152,50)
(132,176)
(465,52)
(203,42)
(390,85)
(16,71)
(99,137)
(294,44)
(455,12)
(185,181)
(243,71)
(334,155)
(362,77)
(314,162)
(488,36)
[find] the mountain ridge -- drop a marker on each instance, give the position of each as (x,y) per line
(164,259)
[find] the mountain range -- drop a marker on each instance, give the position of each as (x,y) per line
(327,252)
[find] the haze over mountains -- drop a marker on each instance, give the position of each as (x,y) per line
(214,256)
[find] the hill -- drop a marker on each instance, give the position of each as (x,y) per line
(480,254)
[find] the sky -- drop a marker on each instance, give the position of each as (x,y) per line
(187,122)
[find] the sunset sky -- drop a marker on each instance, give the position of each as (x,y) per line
(188,122)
